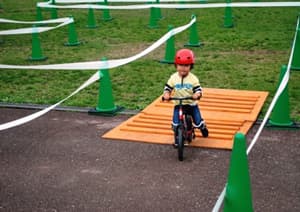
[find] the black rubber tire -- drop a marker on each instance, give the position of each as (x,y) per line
(180,144)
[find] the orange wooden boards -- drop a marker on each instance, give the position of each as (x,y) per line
(225,112)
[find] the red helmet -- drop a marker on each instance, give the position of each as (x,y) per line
(184,57)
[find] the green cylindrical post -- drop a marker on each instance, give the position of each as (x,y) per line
(72,38)
(194,38)
(91,19)
(106,14)
(281,113)
(238,195)
(170,49)
(39,16)
(36,51)
(53,11)
(153,19)
(158,12)
(228,23)
(296,54)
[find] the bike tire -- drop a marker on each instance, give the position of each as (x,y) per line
(180,144)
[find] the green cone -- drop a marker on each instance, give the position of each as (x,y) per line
(153,19)
(106,14)
(72,38)
(228,23)
(296,55)
(53,11)
(170,49)
(238,195)
(194,38)
(36,54)
(281,113)
(91,19)
(105,104)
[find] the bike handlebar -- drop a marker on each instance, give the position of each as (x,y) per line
(178,98)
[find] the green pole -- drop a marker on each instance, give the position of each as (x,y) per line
(170,49)
(53,11)
(228,23)
(153,19)
(281,113)
(72,38)
(296,54)
(238,195)
(91,19)
(36,51)
(39,16)
(158,12)
(193,37)
(105,105)
(106,14)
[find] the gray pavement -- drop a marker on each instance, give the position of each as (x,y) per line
(59,162)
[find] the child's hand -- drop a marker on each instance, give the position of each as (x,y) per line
(166,96)
(197,96)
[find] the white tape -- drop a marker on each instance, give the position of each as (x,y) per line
(29,30)
(279,91)
(117,1)
(95,77)
(169,6)
(96,65)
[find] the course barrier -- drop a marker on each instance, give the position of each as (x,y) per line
(279,91)
(170,6)
(38,29)
(95,65)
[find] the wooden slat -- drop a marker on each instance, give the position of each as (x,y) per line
(225,112)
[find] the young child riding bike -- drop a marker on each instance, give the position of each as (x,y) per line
(183,83)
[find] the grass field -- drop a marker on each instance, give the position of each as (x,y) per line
(248,56)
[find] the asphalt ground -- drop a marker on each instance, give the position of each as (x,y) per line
(59,162)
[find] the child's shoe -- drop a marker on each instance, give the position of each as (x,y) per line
(203,129)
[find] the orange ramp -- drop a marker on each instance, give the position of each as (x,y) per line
(225,112)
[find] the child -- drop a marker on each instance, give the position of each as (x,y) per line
(183,84)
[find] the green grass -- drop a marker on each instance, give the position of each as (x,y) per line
(248,56)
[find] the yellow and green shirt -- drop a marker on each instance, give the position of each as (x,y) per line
(183,87)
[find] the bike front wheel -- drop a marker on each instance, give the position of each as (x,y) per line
(180,143)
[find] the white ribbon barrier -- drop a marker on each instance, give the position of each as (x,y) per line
(279,91)
(169,6)
(116,1)
(29,30)
(93,65)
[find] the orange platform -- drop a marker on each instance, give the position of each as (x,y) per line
(225,112)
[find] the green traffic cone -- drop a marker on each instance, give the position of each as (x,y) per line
(105,104)
(228,23)
(91,19)
(106,14)
(53,11)
(194,38)
(238,195)
(36,51)
(296,54)
(170,49)
(39,16)
(158,12)
(280,116)
(72,40)
(153,19)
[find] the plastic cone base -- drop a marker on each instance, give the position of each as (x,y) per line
(110,112)
(194,44)
(281,125)
(295,68)
(37,58)
(72,44)
(167,61)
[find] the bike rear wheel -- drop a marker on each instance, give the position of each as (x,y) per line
(180,143)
